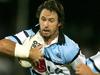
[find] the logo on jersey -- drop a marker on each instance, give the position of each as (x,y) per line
(35,44)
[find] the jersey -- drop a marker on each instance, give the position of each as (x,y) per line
(93,63)
(63,52)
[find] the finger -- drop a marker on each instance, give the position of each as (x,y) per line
(36,60)
(40,46)
(36,63)
(78,72)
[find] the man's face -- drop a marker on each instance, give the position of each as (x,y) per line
(49,25)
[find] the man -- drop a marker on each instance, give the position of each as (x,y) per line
(44,49)
(92,66)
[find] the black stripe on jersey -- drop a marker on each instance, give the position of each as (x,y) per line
(94,65)
(61,38)
(75,56)
(26,33)
(35,28)
(49,59)
(17,39)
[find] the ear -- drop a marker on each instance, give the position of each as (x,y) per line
(59,24)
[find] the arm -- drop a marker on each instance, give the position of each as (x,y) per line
(92,67)
(7,47)
(14,49)
(83,69)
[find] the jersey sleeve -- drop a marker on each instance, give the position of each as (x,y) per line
(21,36)
(62,54)
(94,62)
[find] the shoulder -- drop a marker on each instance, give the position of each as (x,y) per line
(70,42)
(21,36)
(71,49)
(66,52)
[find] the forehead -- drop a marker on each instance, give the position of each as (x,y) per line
(48,13)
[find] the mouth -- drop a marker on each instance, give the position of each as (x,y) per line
(46,31)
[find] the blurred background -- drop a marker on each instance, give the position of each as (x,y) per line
(82,19)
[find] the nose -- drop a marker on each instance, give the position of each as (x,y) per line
(46,23)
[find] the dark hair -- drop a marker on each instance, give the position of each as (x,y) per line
(52,5)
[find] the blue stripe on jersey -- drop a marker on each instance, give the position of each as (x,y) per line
(29,32)
(26,33)
(91,64)
(94,65)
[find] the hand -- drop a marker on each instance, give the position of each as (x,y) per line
(83,69)
(35,54)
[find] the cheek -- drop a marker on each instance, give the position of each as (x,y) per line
(54,28)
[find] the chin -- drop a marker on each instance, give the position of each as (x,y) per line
(46,36)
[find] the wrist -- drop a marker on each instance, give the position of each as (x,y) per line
(21,51)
